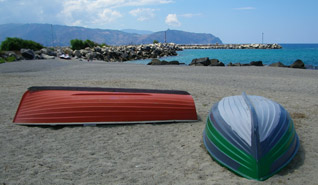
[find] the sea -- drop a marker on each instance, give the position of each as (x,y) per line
(308,53)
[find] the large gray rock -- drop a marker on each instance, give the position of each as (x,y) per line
(45,56)
(77,54)
(90,56)
(155,62)
(48,51)
(277,64)
(174,62)
(28,54)
(201,62)
(235,64)
(84,52)
(216,62)
(298,64)
(158,62)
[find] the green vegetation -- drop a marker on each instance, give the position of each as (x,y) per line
(11,59)
(155,41)
(7,59)
(15,44)
(77,44)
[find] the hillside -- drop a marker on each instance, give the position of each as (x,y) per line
(181,37)
(59,35)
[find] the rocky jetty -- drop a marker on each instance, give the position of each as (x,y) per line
(232,46)
(108,54)
(123,53)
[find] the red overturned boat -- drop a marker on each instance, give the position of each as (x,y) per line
(94,105)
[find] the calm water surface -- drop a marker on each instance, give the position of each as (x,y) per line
(308,53)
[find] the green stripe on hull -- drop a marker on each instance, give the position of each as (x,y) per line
(249,166)
(276,152)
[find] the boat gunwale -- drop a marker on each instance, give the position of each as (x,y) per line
(101,89)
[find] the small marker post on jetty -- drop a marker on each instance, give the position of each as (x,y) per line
(262,38)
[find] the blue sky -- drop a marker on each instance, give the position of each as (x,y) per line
(234,21)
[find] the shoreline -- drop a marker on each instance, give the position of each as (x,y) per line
(169,52)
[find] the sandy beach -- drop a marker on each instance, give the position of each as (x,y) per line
(146,153)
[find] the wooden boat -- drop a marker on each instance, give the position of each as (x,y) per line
(82,105)
(251,135)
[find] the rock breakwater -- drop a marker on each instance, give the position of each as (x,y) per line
(108,54)
(232,46)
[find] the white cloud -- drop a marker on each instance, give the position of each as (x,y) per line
(86,13)
(143,14)
(146,2)
(101,12)
(172,20)
(90,13)
(190,15)
(113,3)
(245,8)
(107,15)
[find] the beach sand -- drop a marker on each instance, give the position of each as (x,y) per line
(146,153)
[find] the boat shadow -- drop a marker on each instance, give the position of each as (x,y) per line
(107,125)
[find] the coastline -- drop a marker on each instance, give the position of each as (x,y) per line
(146,153)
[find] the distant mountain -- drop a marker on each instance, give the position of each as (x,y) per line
(141,32)
(180,37)
(59,35)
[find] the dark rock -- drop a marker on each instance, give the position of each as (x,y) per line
(28,54)
(164,62)
(245,64)
(174,62)
(99,56)
(277,64)
(256,63)
(124,56)
(298,64)
(201,62)
(237,64)
(216,62)
(98,49)
(158,62)
(229,64)
(155,62)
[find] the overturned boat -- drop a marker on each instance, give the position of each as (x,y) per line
(251,135)
(86,105)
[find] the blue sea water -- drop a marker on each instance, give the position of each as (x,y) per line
(308,53)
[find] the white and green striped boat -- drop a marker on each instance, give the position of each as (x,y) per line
(251,135)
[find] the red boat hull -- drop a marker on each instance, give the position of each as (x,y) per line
(79,105)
